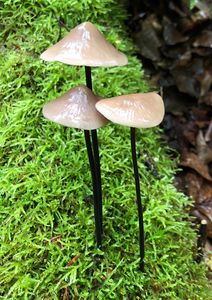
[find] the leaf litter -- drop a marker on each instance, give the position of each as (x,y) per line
(175,44)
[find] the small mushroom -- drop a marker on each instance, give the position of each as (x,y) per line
(85,46)
(76,108)
(136,111)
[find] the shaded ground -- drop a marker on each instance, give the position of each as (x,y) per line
(175,44)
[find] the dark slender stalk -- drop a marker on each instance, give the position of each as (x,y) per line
(95,151)
(61,24)
(138,197)
(98,172)
(95,189)
(88,77)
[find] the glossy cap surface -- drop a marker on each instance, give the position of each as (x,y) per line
(85,46)
(134,110)
(76,108)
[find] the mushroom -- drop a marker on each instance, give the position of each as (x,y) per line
(136,111)
(86,46)
(76,108)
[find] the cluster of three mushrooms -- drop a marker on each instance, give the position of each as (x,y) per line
(85,45)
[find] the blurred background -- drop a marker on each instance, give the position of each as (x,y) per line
(174,40)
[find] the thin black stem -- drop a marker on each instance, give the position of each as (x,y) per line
(88,77)
(61,24)
(95,151)
(98,172)
(138,196)
(95,189)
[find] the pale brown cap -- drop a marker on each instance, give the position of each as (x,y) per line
(76,108)
(134,110)
(85,46)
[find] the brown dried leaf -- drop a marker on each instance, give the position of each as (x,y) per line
(175,102)
(148,39)
(199,114)
(186,24)
(202,51)
(193,183)
(73,260)
(198,188)
(192,161)
(208,135)
(180,55)
(186,77)
(182,9)
(206,192)
(57,240)
(171,35)
(200,16)
(66,294)
(205,9)
(203,150)
(175,52)
(204,39)
(207,99)
(205,80)
(209,230)
(189,132)
(205,208)
(201,192)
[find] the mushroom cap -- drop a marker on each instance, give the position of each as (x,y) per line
(76,108)
(85,46)
(134,110)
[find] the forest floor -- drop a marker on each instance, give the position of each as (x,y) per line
(179,62)
(46,213)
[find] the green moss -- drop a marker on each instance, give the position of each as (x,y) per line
(46,211)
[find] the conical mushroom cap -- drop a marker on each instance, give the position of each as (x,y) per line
(85,46)
(134,110)
(76,108)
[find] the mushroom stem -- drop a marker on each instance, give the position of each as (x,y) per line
(138,196)
(98,173)
(95,188)
(61,24)
(96,153)
(88,77)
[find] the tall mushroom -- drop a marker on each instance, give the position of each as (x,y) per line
(76,108)
(86,46)
(136,111)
